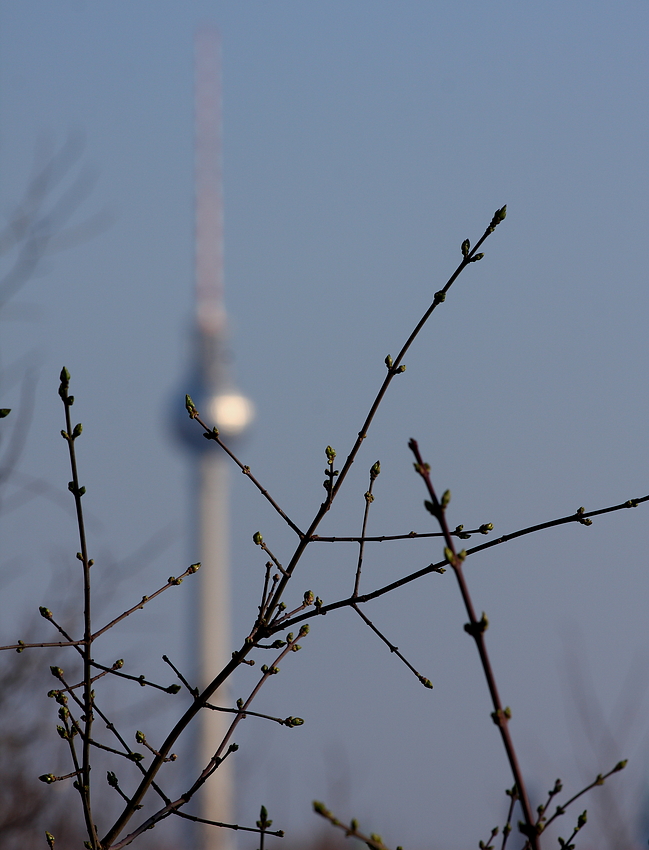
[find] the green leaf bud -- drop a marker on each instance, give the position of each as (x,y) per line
(388,362)
(448,554)
(45,612)
(50,839)
(47,778)
(56,672)
(309,597)
(446,498)
(4,411)
(140,737)
(466,247)
(425,682)
(375,471)
(257,538)
(476,258)
(486,527)
(78,428)
(440,297)
(190,407)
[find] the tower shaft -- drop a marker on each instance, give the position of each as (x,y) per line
(217,796)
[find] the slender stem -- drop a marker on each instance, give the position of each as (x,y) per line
(212,434)
(391,646)
(476,629)
(77,491)
(173,581)
(369,498)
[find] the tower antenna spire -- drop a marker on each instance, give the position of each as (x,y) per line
(210,307)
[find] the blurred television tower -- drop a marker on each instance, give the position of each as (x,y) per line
(210,386)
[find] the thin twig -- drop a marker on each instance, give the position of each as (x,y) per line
(369,498)
(395,649)
(279,833)
(411,535)
(70,435)
(192,691)
(173,581)
(213,434)
(352,830)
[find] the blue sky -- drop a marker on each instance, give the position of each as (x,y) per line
(363,141)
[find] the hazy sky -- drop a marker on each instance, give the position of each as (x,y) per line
(363,141)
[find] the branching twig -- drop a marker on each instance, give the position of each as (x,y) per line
(599,780)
